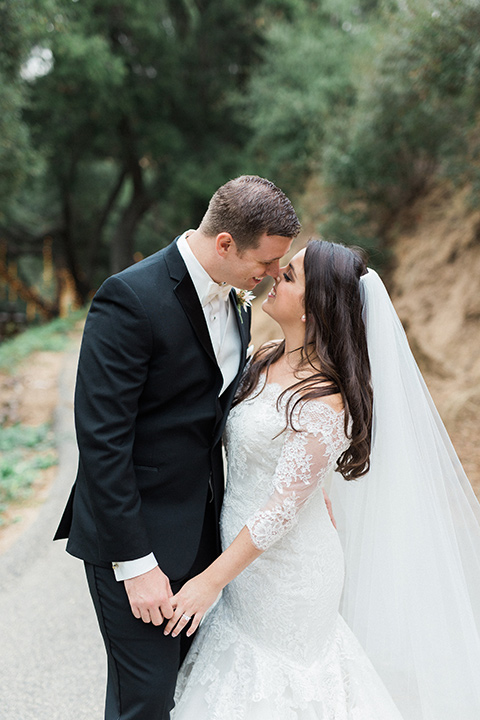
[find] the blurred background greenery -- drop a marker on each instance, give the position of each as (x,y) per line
(120,118)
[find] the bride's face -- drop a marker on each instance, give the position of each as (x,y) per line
(284,302)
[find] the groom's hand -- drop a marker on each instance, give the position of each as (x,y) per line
(150,596)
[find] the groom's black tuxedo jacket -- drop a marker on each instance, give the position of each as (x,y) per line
(149,420)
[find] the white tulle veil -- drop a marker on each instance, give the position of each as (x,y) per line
(411,534)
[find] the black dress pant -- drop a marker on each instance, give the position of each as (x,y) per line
(142,662)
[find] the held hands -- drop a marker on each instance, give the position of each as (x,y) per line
(191,603)
(152,600)
(150,596)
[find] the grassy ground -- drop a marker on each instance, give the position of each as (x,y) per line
(30,365)
(24,451)
(53,336)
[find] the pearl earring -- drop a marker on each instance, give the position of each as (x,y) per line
(303,318)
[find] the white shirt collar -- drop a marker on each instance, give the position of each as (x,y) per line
(200,278)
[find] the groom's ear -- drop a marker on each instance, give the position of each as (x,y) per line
(224,244)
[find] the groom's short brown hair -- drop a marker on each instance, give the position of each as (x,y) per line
(248,207)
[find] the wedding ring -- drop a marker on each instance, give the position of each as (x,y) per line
(186,617)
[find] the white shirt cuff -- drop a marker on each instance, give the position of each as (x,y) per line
(131,568)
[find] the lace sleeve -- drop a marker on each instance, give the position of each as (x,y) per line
(307,456)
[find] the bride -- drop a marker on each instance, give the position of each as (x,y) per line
(339,399)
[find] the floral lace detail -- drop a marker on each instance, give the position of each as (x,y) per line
(307,457)
(238,679)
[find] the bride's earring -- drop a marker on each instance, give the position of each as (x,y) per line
(303,318)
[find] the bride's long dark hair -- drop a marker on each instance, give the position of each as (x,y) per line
(335,347)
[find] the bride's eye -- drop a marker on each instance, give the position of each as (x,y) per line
(288,279)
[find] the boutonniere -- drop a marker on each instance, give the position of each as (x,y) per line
(244,301)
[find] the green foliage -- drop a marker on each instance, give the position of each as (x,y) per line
(291,97)
(78,95)
(415,109)
(19,466)
(353,226)
(15,150)
(14,136)
(149,105)
(53,336)
(25,436)
(300,98)
(22,23)
(375,97)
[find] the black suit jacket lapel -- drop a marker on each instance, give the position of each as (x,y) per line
(187,295)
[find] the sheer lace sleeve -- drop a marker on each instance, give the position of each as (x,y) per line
(307,456)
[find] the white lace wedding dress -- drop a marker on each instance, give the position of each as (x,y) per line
(275,647)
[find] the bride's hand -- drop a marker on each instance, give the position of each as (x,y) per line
(329,508)
(191,603)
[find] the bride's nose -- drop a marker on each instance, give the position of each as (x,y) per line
(280,274)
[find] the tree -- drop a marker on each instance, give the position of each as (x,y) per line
(18,25)
(135,117)
(415,111)
(305,85)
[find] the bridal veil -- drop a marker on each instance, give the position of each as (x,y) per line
(411,535)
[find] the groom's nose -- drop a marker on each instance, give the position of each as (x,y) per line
(273,268)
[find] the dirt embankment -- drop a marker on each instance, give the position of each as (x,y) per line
(435,285)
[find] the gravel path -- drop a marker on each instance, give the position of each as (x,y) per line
(52,662)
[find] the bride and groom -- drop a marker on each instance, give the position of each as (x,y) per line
(338,399)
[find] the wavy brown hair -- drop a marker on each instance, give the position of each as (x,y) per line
(335,348)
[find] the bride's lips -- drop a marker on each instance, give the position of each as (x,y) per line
(273,291)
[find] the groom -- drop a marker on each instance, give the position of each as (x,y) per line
(162,353)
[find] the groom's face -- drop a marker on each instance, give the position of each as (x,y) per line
(248,268)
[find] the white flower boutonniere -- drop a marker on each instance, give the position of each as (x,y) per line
(244,301)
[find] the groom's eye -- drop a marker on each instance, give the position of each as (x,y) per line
(288,279)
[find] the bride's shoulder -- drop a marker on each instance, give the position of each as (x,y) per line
(335,401)
(315,404)
(321,415)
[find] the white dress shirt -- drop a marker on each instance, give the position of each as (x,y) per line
(222,326)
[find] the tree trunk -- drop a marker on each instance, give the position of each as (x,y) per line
(67,239)
(121,248)
(96,236)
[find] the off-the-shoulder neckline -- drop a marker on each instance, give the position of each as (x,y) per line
(319,400)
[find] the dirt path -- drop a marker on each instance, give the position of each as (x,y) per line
(52,662)
(30,396)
